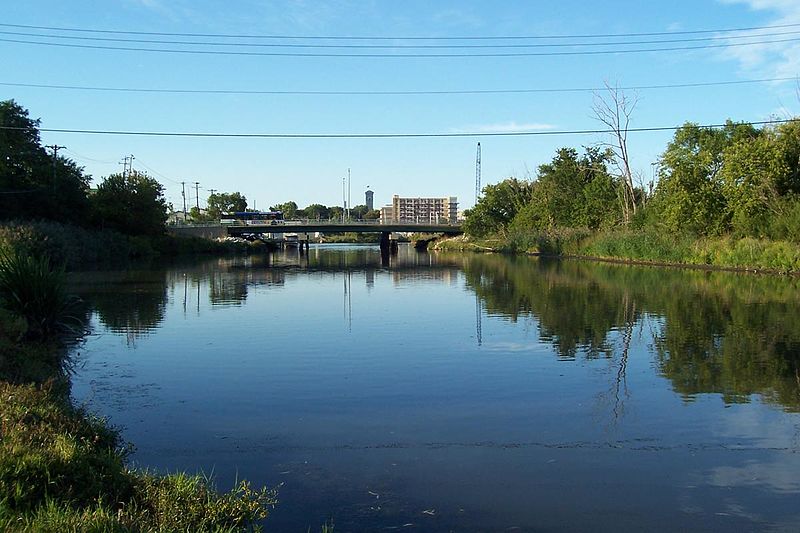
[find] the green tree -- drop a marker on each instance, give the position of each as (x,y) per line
(373,214)
(317,212)
(224,202)
(289,209)
(497,207)
(358,212)
(131,203)
(690,195)
(750,175)
(575,191)
(32,184)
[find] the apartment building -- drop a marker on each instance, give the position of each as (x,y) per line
(421,210)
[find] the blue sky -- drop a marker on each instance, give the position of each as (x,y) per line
(308,171)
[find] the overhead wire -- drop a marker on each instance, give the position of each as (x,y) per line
(396,46)
(399,55)
(407,37)
(395,93)
(380,135)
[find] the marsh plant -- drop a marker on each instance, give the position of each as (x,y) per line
(32,289)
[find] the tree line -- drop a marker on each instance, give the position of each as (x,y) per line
(219,203)
(738,180)
(37,185)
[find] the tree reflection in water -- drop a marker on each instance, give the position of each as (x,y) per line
(712,332)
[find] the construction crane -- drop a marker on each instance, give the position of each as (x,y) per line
(478,175)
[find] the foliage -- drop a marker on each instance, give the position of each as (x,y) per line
(32,183)
(32,289)
(62,470)
(690,195)
(223,202)
(714,331)
(497,207)
(131,203)
(315,212)
(289,209)
(358,212)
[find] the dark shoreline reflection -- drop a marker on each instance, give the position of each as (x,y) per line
(713,332)
(493,392)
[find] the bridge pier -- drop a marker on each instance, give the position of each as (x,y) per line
(388,245)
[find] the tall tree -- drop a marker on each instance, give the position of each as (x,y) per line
(33,184)
(131,203)
(317,212)
(224,202)
(289,209)
(614,109)
(497,207)
(690,195)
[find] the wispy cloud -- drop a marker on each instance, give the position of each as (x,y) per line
(778,59)
(504,127)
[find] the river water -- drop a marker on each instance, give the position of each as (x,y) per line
(443,392)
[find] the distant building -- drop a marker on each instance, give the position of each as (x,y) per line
(421,210)
(386,215)
(369,201)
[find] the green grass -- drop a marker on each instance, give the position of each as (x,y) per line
(64,470)
(646,245)
(30,288)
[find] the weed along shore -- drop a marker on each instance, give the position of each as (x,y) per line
(643,247)
(61,467)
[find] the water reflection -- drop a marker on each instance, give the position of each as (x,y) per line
(495,392)
(132,303)
(730,334)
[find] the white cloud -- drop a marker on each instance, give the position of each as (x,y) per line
(775,59)
(504,127)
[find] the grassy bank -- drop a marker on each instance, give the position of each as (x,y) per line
(647,246)
(62,469)
(77,247)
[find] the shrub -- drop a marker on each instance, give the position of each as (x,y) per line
(32,289)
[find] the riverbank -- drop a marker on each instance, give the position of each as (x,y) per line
(63,469)
(77,247)
(642,246)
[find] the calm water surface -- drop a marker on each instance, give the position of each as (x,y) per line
(459,392)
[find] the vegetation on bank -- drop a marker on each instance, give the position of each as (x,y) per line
(725,197)
(62,469)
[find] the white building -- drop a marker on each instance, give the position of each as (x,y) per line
(442,210)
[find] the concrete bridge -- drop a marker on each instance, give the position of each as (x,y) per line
(213,231)
(300,226)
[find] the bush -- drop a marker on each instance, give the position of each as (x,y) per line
(62,470)
(32,289)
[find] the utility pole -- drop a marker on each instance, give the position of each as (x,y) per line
(127,165)
(183,195)
(197,194)
(348,193)
(55,148)
(478,175)
(344,201)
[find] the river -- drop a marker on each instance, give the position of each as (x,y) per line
(447,392)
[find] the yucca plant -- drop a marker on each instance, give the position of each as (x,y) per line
(31,288)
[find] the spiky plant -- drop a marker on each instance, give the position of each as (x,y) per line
(31,288)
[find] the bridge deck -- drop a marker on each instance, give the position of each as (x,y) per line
(347,227)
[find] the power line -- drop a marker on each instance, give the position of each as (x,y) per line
(399,55)
(395,93)
(407,37)
(395,45)
(380,135)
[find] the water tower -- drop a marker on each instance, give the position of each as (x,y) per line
(369,194)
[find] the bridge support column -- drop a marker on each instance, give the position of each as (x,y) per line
(385,241)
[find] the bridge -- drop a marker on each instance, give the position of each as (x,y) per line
(309,226)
